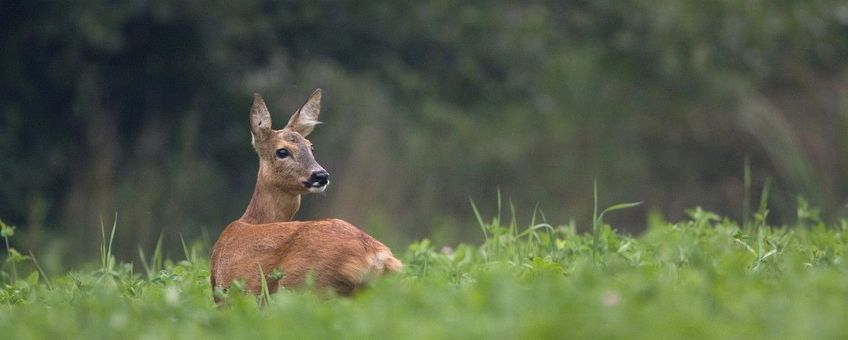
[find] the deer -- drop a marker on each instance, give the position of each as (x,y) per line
(331,254)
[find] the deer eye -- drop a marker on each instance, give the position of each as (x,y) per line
(282,153)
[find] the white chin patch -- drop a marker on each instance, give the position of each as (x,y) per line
(318,189)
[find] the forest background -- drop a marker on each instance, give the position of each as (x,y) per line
(139,108)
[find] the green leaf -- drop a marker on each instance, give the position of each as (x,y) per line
(15,256)
(32,279)
(621,206)
(276,274)
(6,231)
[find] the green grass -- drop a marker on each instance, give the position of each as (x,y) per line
(704,277)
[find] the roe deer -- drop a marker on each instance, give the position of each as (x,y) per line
(338,255)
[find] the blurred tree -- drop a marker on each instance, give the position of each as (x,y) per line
(140,107)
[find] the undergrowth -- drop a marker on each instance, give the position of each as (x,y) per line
(702,277)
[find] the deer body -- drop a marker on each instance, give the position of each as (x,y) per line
(336,254)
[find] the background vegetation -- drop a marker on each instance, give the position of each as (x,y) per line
(140,108)
(703,277)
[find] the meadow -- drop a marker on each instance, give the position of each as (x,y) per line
(141,108)
(702,277)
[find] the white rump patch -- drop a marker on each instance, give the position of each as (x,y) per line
(378,261)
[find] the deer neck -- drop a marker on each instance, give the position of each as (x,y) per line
(270,204)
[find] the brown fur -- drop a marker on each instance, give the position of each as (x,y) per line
(270,205)
(335,253)
(339,255)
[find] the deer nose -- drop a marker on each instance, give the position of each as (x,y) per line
(319,178)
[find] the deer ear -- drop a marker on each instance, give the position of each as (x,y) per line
(260,119)
(304,120)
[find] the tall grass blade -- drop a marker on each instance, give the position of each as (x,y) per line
(40,270)
(155,264)
(598,219)
(106,248)
(499,208)
(762,211)
(144,263)
(102,245)
(265,294)
(746,193)
(112,235)
(595,226)
(620,206)
(189,255)
(479,220)
(513,219)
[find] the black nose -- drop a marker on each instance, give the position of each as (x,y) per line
(319,178)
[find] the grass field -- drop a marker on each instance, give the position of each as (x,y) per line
(704,277)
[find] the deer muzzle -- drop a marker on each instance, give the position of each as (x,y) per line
(318,181)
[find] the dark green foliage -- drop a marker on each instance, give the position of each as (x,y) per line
(140,107)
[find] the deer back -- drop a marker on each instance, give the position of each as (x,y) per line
(336,255)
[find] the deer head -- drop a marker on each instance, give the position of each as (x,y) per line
(287,167)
